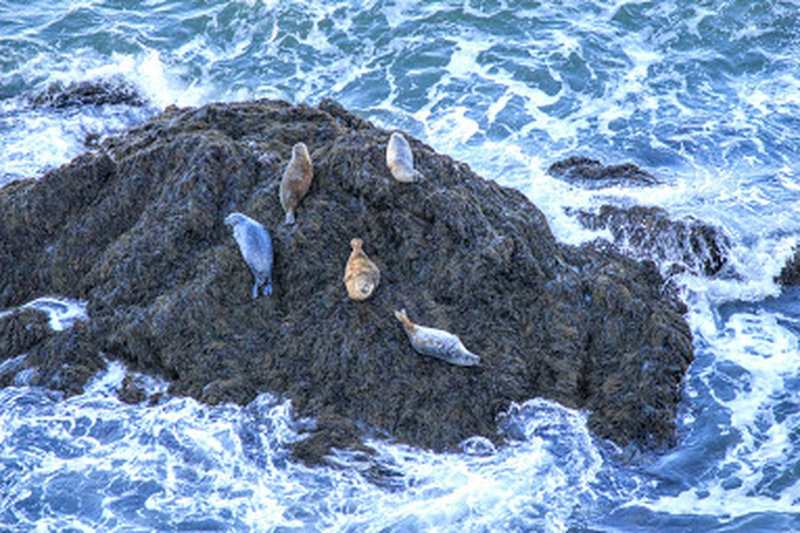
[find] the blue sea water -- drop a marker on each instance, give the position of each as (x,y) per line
(704,94)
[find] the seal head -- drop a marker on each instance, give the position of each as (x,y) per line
(437,342)
(400,159)
(296,180)
(255,245)
(361,275)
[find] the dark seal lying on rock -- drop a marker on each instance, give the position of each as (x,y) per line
(136,230)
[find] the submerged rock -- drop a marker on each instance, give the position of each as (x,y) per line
(137,230)
(650,233)
(98,92)
(591,174)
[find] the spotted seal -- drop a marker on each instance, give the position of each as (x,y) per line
(255,245)
(296,180)
(437,342)
(400,159)
(361,275)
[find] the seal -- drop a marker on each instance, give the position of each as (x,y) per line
(400,159)
(255,245)
(437,343)
(296,180)
(361,275)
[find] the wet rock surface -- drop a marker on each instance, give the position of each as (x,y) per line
(110,91)
(592,174)
(21,329)
(790,273)
(649,232)
(136,230)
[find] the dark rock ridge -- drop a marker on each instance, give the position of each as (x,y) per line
(110,91)
(136,230)
(649,232)
(592,174)
(790,273)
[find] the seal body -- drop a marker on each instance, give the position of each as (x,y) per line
(437,343)
(400,159)
(255,245)
(361,275)
(296,180)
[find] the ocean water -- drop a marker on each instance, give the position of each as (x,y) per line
(704,94)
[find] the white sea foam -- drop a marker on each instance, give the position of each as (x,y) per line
(180,463)
(539,482)
(63,312)
(174,463)
(755,361)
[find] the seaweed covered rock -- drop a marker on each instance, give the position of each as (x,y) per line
(21,329)
(136,229)
(103,91)
(650,233)
(592,174)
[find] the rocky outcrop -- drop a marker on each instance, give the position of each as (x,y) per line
(790,273)
(136,230)
(649,233)
(592,174)
(111,91)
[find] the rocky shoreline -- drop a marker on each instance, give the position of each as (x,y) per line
(135,229)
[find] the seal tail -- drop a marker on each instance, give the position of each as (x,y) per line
(268,289)
(403,317)
(289,217)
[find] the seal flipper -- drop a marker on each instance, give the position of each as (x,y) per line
(255,290)
(289,216)
(268,288)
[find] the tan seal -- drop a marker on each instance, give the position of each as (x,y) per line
(361,275)
(296,180)
(437,343)
(400,159)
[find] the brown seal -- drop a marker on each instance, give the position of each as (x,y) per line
(400,159)
(437,342)
(361,275)
(296,180)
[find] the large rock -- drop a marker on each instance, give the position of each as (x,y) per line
(136,230)
(650,233)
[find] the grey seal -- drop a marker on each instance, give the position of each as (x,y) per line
(400,159)
(255,245)
(437,342)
